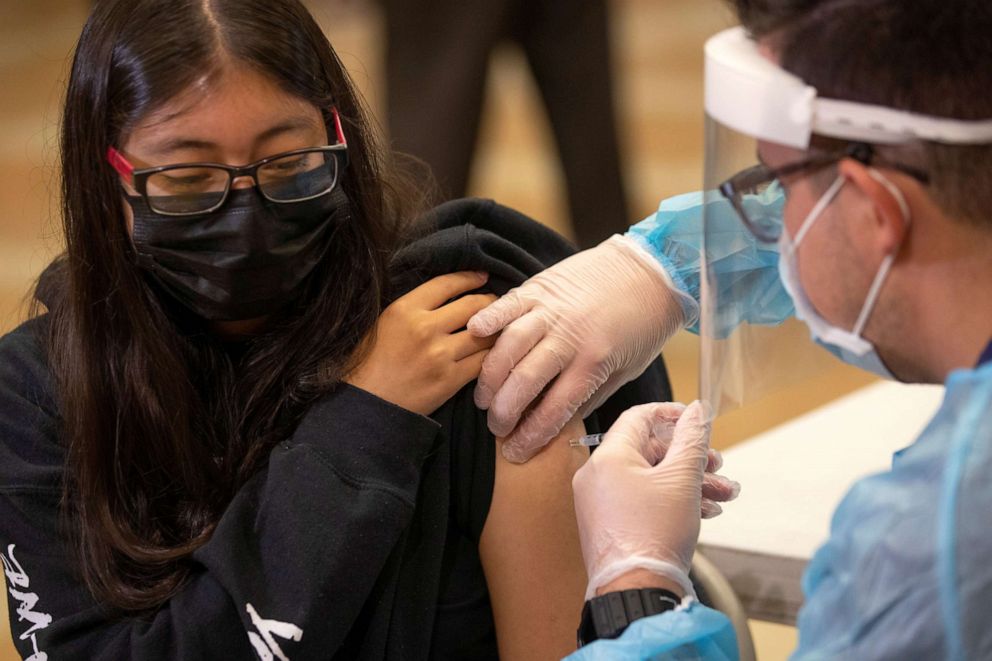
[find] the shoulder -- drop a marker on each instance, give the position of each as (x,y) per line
(500,220)
(477,235)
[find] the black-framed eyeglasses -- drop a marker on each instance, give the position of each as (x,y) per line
(764,222)
(187,189)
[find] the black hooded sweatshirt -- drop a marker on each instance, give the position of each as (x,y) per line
(358,540)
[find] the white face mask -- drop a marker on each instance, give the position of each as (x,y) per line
(849,346)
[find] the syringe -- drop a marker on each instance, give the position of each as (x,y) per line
(587,441)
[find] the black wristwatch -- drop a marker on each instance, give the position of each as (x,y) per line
(608,615)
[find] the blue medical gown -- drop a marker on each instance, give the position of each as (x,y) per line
(907,570)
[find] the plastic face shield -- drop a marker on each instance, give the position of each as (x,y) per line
(750,344)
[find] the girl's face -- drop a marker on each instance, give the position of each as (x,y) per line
(235,118)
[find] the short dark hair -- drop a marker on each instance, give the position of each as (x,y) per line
(932,57)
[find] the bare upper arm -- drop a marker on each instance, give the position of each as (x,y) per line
(530,552)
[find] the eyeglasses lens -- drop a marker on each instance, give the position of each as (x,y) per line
(298,176)
(186,190)
(752,192)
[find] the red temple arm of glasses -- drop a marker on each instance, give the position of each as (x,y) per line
(337,127)
(121,164)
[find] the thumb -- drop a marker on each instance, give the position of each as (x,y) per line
(497,315)
(691,438)
(643,429)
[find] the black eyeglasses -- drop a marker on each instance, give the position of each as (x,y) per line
(766,222)
(188,189)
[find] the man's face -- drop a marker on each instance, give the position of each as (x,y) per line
(829,267)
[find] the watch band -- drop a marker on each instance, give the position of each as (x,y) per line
(607,616)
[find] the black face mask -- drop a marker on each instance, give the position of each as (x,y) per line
(244,260)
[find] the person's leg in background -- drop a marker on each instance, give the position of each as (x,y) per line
(436,63)
(567,43)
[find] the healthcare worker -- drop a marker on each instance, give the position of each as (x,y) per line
(869,216)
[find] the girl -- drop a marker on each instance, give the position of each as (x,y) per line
(216,441)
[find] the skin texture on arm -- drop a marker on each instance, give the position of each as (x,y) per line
(530,552)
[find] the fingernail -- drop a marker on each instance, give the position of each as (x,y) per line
(483,396)
(709,509)
(498,428)
(514,453)
(717,460)
(692,412)
(735,489)
(478,325)
(482,275)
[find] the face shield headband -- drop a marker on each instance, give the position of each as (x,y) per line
(752,95)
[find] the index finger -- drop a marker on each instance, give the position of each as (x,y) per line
(516,342)
(437,291)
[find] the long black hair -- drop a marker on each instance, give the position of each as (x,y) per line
(162,422)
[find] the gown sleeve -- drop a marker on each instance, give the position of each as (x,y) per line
(692,631)
(674,236)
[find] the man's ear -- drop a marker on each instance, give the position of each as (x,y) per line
(891,213)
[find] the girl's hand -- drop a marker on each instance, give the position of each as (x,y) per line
(420,354)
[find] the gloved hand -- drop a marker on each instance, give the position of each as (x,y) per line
(638,497)
(595,321)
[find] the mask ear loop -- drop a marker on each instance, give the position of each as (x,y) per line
(893,190)
(883,270)
(816,211)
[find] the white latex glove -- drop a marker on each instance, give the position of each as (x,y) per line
(638,497)
(595,321)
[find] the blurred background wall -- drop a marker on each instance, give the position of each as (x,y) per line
(657,58)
